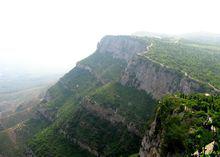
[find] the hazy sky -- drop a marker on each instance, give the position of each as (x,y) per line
(53,35)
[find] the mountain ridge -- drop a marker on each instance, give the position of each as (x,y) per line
(102,107)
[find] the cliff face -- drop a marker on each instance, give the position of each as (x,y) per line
(150,145)
(103,104)
(122,47)
(111,122)
(157,79)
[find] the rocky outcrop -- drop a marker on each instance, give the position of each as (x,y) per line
(47,114)
(80,143)
(157,79)
(150,146)
(121,47)
(141,73)
(109,115)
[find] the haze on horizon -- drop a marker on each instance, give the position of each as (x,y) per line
(51,35)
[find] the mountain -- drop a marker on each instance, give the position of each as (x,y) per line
(99,112)
(104,106)
(203,37)
(190,128)
(174,66)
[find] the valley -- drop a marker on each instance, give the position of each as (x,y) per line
(18,97)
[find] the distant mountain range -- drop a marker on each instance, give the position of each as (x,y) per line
(201,37)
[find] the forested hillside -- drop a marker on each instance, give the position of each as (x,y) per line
(185,125)
(90,110)
(105,105)
(199,61)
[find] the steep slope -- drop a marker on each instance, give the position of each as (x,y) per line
(169,66)
(101,107)
(111,114)
(13,138)
(136,106)
(199,61)
(75,111)
(88,109)
(122,47)
(191,125)
(143,73)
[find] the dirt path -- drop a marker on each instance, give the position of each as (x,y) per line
(185,73)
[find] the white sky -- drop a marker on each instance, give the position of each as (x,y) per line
(53,35)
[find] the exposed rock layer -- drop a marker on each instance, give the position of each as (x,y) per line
(122,47)
(156,79)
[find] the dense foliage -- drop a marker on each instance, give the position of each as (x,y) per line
(71,121)
(135,105)
(200,61)
(50,143)
(13,140)
(100,135)
(7,147)
(104,65)
(188,123)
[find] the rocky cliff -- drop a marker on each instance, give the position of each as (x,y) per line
(151,142)
(157,79)
(122,47)
(103,104)
(109,123)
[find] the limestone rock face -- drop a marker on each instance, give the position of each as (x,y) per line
(152,141)
(122,47)
(150,146)
(157,79)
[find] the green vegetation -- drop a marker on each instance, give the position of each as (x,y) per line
(189,123)
(201,62)
(28,129)
(66,120)
(14,140)
(79,81)
(7,147)
(16,118)
(101,135)
(49,143)
(107,67)
(68,115)
(135,105)
(96,132)
(70,90)
(20,124)
(92,130)
(134,155)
